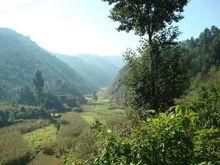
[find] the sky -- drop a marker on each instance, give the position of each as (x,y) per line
(82,26)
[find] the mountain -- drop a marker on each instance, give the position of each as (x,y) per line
(100,71)
(91,73)
(116,60)
(21,57)
(109,68)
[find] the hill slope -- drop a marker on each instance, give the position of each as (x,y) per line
(100,71)
(88,71)
(20,57)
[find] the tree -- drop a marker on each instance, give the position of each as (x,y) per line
(146,16)
(4,88)
(26,96)
(151,17)
(170,79)
(51,101)
(215,50)
(39,86)
(94,96)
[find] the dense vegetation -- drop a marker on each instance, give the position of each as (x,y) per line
(202,63)
(154,77)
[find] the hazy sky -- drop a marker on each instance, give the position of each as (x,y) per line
(83,26)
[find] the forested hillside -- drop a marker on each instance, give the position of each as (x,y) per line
(21,57)
(90,69)
(204,53)
(109,68)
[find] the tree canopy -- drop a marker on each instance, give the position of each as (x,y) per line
(146,16)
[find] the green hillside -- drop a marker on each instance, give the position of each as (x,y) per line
(88,71)
(21,57)
(99,71)
(110,69)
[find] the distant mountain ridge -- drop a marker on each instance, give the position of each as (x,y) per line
(20,57)
(100,71)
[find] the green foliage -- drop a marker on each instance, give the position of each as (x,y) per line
(117,91)
(163,140)
(155,77)
(154,84)
(51,101)
(204,50)
(25,96)
(64,88)
(203,67)
(38,82)
(207,106)
(188,135)
(12,115)
(145,17)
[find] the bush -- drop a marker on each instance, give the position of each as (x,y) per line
(14,114)
(175,138)
(77,109)
(48,149)
(163,140)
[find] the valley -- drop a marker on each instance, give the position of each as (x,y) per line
(73,91)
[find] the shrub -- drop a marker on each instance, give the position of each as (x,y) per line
(77,109)
(48,149)
(163,140)
(175,138)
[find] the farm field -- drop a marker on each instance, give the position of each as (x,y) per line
(37,138)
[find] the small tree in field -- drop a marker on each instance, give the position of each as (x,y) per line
(94,96)
(39,86)
(156,72)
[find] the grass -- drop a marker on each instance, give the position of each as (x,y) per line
(40,137)
(101,112)
(4,106)
(13,148)
(42,159)
(29,125)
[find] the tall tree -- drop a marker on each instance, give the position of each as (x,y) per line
(39,86)
(94,96)
(146,17)
(151,18)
